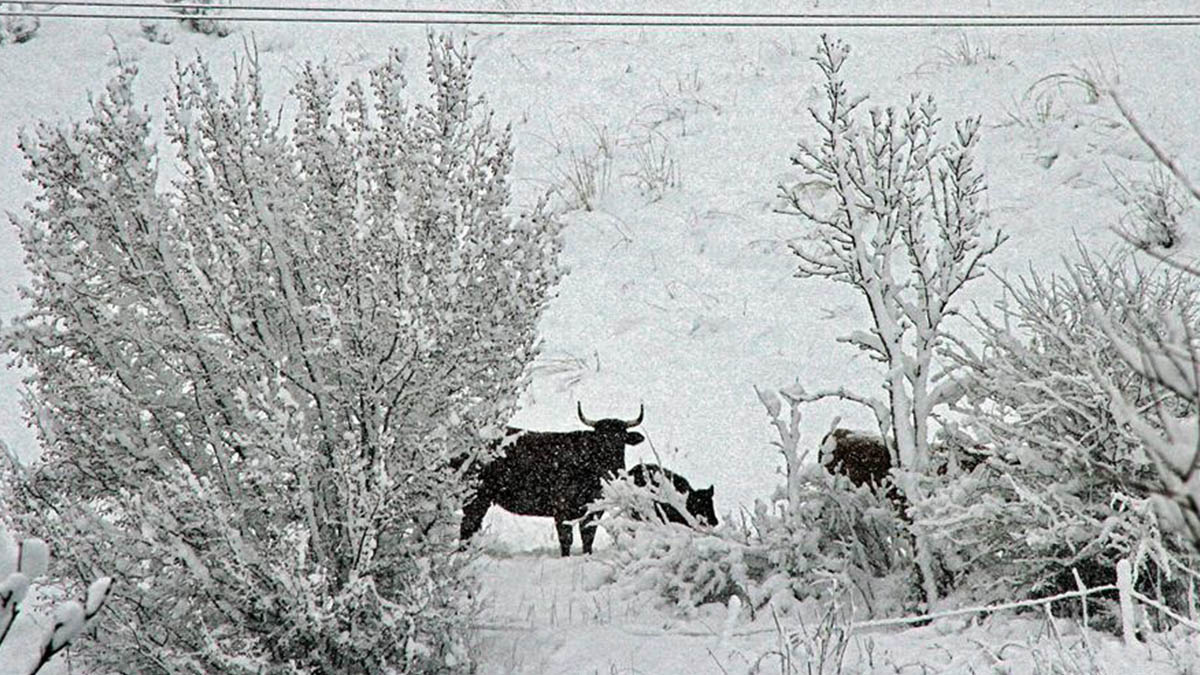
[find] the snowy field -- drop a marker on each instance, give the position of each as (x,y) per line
(684,300)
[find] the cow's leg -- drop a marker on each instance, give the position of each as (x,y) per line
(587,530)
(565,536)
(473,512)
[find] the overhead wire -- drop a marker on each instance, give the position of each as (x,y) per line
(599,13)
(516,17)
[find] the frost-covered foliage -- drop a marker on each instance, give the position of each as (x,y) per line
(841,542)
(900,222)
(822,527)
(684,568)
(15,28)
(204,19)
(1154,208)
(71,618)
(837,543)
(681,565)
(1170,361)
(248,387)
(1067,488)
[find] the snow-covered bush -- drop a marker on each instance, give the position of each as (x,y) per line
(1071,494)
(681,565)
(1154,207)
(901,223)
(1170,361)
(822,527)
(822,539)
(842,543)
(202,20)
(17,29)
(248,386)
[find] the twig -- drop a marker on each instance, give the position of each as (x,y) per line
(1165,610)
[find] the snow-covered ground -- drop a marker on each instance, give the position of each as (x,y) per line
(686,302)
(560,616)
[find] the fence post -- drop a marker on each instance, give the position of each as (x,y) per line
(1125,591)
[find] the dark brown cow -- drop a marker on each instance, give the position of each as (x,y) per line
(858,455)
(862,457)
(553,474)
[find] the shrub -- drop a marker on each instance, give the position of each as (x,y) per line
(1073,494)
(841,543)
(824,540)
(17,29)
(1170,362)
(202,19)
(1154,206)
(248,387)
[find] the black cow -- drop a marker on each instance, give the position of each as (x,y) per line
(699,503)
(553,474)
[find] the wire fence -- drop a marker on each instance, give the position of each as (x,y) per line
(1127,596)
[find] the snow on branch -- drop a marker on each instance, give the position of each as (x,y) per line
(901,222)
(1171,441)
(71,617)
(1068,426)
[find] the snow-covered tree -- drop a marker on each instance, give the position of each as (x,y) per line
(902,225)
(248,385)
(1066,489)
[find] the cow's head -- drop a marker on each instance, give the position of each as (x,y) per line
(615,427)
(700,505)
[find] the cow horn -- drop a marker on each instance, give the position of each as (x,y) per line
(579,409)
(641,414)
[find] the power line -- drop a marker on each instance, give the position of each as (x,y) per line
(380,16)
(734,16)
